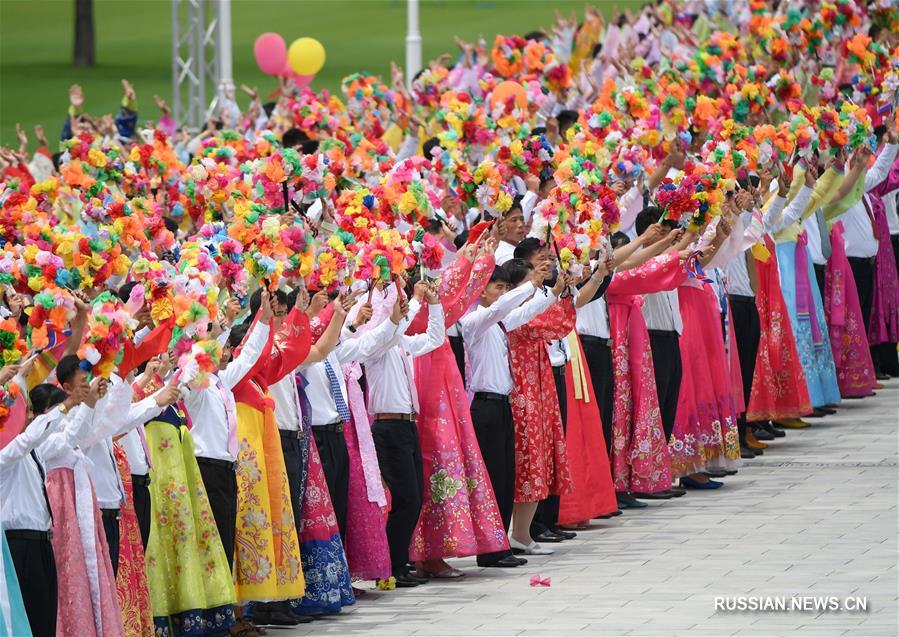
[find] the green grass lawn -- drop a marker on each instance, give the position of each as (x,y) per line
(134,41)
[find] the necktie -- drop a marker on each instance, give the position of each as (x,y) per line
(143,443)
(40,470)
(230,415)
(870,216)
(825,235)
(410,375)
(508,351)
(337,393)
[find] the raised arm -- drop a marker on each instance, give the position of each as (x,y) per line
(241,365)
(291,346)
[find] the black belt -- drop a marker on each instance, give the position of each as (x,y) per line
(559,370)
(595,339)
(400,417)
(139,480)
(290,434)
(335,427)
(215,462)
(110,513)
(741,298)
(663,332)
(489,395)
(23,534)
(862,259)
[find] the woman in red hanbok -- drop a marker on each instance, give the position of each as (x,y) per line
(541,464)
(640,460)
(851,354)
(592,493)
(459,516)
(779,390)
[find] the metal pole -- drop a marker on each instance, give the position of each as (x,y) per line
(413,42)
(223,48)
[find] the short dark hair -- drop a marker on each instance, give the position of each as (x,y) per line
(619,239)
(237,333)
(124,292)
(527,247)
(256,299)
(66,368)
(516,203)
(535,35)
(648,216)
(45,397)
(430,145)
(518,270)
(500,275)
(566,118)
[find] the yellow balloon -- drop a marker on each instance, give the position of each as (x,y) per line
(306,56)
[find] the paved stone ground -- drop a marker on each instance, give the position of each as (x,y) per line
(816,516)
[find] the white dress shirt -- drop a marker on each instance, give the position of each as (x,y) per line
(593,319)
(287,403)
(206,406)
(389,383)
(810,226)
(22,501)
(661,311)
(133,447)
(859,237)
(889,208)
(366,346)
(558,351)
(486,344)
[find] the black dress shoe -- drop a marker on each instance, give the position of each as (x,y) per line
(746,453)
(762,434)
(548,537)
(659,495)
(510,561)
(305,619)
(716,473)
(565,535)
(275,618)
(774,431)
(677,492)
(405,580)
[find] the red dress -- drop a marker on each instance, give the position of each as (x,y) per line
(541,465)
(640,460)
(779,389)
(592,492)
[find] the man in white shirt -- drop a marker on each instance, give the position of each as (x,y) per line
(393,405)
(484,332)
(511,229)
(213,415)
(330,411)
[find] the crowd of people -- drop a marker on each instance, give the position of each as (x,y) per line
(333,339)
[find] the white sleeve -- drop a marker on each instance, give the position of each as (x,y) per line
(793,212)
(771,217)
(881,168)
(30,437)
(528,201)
(421,344)
(536,306)
(249,355)
(476,324)
(74,430)
(367,345)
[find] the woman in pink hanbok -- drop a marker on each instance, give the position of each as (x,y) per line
(459,516)
(883,331)
(640,460)
(705,428)
(855,369)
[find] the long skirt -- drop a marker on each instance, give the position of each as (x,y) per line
(705,426)
(86,583)
(808,322)
(267,551)
(187,570)
(131,579)
(13,620)
(593,493)
(367,551)
(459,516)
(328,586)
(778,390)
(852,356)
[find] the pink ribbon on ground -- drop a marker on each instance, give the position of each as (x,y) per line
(537,581)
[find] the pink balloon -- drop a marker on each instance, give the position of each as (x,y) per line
(299,80)
(270,52)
